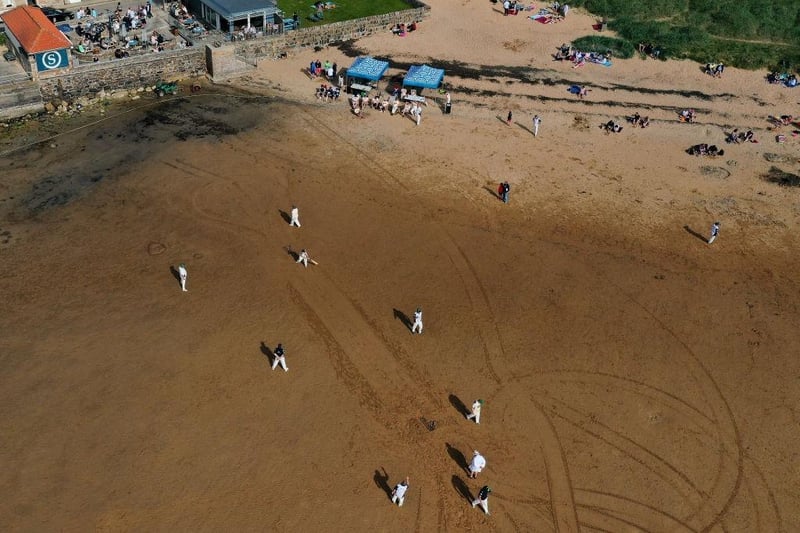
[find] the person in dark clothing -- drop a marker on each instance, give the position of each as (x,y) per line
(483,498)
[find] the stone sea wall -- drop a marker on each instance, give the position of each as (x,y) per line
(131,73)
(326,34)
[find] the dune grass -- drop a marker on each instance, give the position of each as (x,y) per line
(344,10)
(743,33)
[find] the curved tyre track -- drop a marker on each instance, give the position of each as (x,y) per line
(489,333)
(523,410)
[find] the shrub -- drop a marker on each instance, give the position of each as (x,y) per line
(601,44)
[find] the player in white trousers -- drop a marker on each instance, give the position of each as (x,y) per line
(476,411)
(302,257)
(280,358)
(182,274)
(536,122)
(295,217)
(477,465)
(483,498)
(417,321)
(714,232)
(399,492)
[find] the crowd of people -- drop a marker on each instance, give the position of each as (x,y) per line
(705,150)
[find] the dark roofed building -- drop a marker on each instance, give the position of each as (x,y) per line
(233,15)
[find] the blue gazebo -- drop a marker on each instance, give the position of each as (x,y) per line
(365,69)
(424,77)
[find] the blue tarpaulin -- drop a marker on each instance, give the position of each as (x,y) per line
(424,76)
(367,68)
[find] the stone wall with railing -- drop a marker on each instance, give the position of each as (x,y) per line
(137,72)
(131,73)
(325,34)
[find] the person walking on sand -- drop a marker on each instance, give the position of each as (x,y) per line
(280,358)
(714,232)
(536,122)
(399,492)
(476,411)
(508,118)
(302,257)
(477,464)
(295,217)
(483,498)
(182,274)
(417,321)
(505,188)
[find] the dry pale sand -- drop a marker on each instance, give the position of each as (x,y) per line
(635,378)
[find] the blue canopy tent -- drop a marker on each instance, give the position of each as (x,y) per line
(367,68)
(423,76)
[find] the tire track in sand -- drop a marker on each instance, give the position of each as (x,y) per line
(345,370)
(521,409)
(489,335)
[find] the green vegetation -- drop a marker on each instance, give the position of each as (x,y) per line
(743,33)
(344,10)
(596,43)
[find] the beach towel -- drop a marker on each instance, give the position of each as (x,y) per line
(575,89)
(605,63)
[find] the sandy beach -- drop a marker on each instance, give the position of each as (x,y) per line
(635,377)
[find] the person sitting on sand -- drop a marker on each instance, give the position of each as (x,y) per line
(643,123)
(749,136)
(635,119)
(687,115)
(733,137)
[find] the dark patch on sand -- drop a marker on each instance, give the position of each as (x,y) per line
(781,177)
(117,145)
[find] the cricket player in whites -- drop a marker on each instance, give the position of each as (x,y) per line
(302,257)
(417,321)
(182,275)
(295,217)
(476,411)
(399,493)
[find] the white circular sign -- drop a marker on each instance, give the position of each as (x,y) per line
(51,60)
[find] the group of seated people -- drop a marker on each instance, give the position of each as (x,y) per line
(391,104)
(784,78)
(704,149)
(93,31)
(328,92)
(714,69)
(579,58)
(611,127)
(638,121)
(737,137)
(783,120)
(687,115)
(649,49)
(511,8)
(402,29)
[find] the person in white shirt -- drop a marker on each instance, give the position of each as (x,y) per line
(476,411)
(506,7)
(714,232)
(417,321)
(182,274)
(478,463)
(295,217)
(280,358)
(399,493)
(536,122)
(303,257)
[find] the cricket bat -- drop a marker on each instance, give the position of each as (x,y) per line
(312,261)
